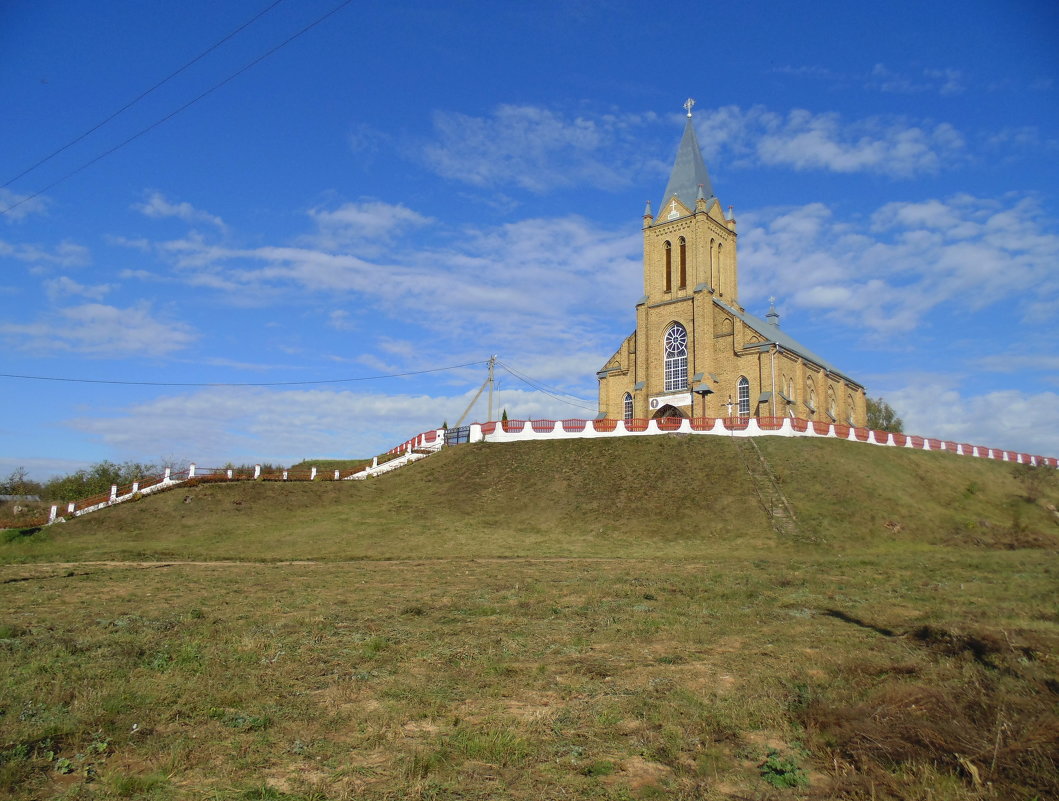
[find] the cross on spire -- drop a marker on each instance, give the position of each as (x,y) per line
(688,104)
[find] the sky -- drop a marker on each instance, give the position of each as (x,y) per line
(280,226)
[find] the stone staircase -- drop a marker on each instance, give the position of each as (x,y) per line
(767,487)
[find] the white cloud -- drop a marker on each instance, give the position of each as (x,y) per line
(944,81)
(881,78)
(536,149)
(886,274)
(217,425)
(15,207)
(40,468)
(521,286)
(65,254)
(95,329)
(364,223)
(1021,363)
(157,207)
(803,140)
(1009,419)
(64,287)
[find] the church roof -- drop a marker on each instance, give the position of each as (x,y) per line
(689,172)
(773,334)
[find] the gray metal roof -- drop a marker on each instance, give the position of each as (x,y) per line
(689,171)
(775,335)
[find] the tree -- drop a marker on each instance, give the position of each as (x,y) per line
(882,417)
(19,483)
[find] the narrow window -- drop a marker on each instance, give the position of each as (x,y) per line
(720,269)
(676,358)
(683,263)
(744,397)
(669,266)
(713,266)
(831,405)
(627,410)
(849,409)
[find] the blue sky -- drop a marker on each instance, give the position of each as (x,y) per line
(411,186)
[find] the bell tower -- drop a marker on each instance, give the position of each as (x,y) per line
(689,245)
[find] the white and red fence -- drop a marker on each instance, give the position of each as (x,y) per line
(523,430)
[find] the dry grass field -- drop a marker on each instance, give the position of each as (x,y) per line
(611,620)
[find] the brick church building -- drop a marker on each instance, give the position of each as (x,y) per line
(696,352)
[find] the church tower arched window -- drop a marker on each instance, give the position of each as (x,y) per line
(683,262)
(744,396)
(627,407)
(669,266)
(676,358)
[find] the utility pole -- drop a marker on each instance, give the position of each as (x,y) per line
(492,362)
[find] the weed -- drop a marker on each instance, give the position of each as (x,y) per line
(782,772)
(600,767)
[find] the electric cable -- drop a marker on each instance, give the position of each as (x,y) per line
(230,384)
(141,96)
(581,404)
(187,105)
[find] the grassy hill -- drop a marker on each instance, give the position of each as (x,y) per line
(592,619)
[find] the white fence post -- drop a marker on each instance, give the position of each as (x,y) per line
(229,472)
(284,475)
(113,492)
(70,508)
(167,474)
(54,513)
(135,487)
(375,461)
(336,475)
(257,471)
(312,474)
(191,470)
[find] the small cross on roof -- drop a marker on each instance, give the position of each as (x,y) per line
(688,104)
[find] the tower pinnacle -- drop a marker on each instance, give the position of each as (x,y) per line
(688,104)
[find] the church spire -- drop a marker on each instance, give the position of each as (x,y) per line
(689,176)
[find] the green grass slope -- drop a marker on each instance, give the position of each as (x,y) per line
(589,619)
(671,497)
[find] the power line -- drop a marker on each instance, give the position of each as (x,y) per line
(141,96)
(172,114)
(228,384)
(555,394)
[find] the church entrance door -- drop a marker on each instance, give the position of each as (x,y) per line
(668,411)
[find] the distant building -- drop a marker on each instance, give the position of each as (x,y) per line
(696,352)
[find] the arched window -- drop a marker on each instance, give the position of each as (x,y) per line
(720,269)
(669,266)
(713,266)
(627,407)
(849,409)
(676,358)
(683,263)
(832,405)
(810,396)
(744,396)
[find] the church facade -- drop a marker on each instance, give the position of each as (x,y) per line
(696,352)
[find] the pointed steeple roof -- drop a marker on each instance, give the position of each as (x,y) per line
(689,171)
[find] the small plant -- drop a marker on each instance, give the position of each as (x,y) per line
(601,767)
(782,772)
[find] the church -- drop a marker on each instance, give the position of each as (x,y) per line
(696,352)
